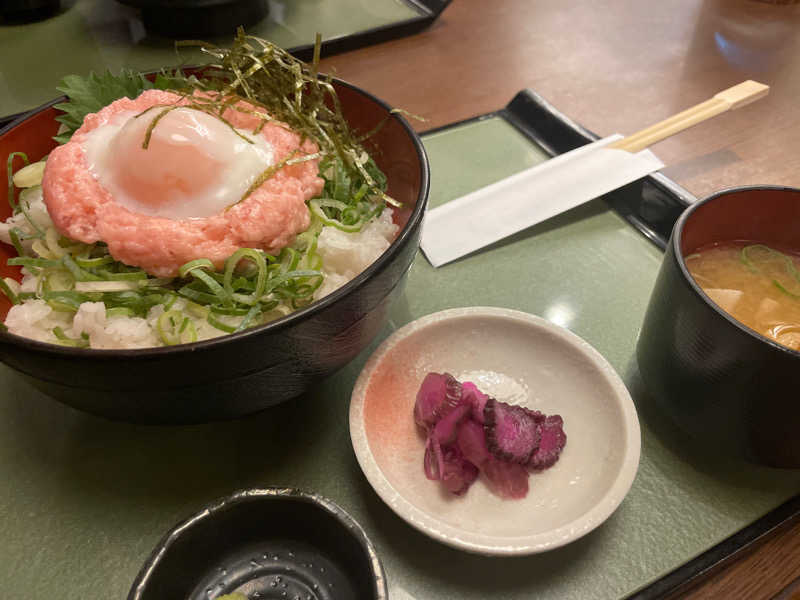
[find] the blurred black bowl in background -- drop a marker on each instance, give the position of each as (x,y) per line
(195,18)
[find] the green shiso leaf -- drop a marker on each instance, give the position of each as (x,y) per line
(91,93)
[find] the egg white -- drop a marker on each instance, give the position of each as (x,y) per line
(240,162)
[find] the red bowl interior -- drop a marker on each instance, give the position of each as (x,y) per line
(34,137)
(769,215)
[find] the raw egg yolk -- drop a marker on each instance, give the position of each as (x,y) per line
(195,165)
(176,163)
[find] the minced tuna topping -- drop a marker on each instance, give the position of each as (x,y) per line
(269,218)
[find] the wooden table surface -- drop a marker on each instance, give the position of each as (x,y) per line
(618,66)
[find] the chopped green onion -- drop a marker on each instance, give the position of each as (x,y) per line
(197,310)
(316,207)
(254,312)
(261,274)
(78,273)
(214,322)
(197,296)
(233,311)
(56,279)
(14,233)
(10,170)
(200,263)
(105,286)
(172,325)
(64,339)
(6,289)
(138,276)
(40,263)
(92,263)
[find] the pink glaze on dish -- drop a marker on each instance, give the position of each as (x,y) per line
(269,218)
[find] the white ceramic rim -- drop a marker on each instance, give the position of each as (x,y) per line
(482,543)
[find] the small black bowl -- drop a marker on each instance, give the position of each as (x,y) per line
(273,543)
(241,373)
(28,11)
(718,379)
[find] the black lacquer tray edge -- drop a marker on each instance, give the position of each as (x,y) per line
(429,11)
(651,205)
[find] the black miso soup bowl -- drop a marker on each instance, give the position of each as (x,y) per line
(267,543)
(719,380)
(241,373)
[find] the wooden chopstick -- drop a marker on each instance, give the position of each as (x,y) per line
(734,97)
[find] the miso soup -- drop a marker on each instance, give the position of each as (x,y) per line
(756,284)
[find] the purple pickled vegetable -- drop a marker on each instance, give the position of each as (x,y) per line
(434,461)
(470,393)
(458,473)
(448,465)
(506,479)
(512,432)
(553,440)
(471,441)
(438,395)
(469,432)
(445,430)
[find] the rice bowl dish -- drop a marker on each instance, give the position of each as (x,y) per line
(133,234)
(245,372)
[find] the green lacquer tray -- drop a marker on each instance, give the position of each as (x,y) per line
(94,35)
(83,500)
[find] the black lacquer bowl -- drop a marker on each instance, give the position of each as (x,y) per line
(272,543)
(720,380)
(193,18)
(245,372)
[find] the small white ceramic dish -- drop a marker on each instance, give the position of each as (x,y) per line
(521,359)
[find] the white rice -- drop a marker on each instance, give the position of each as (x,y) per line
(344,255)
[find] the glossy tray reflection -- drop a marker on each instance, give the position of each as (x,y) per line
(84,500)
